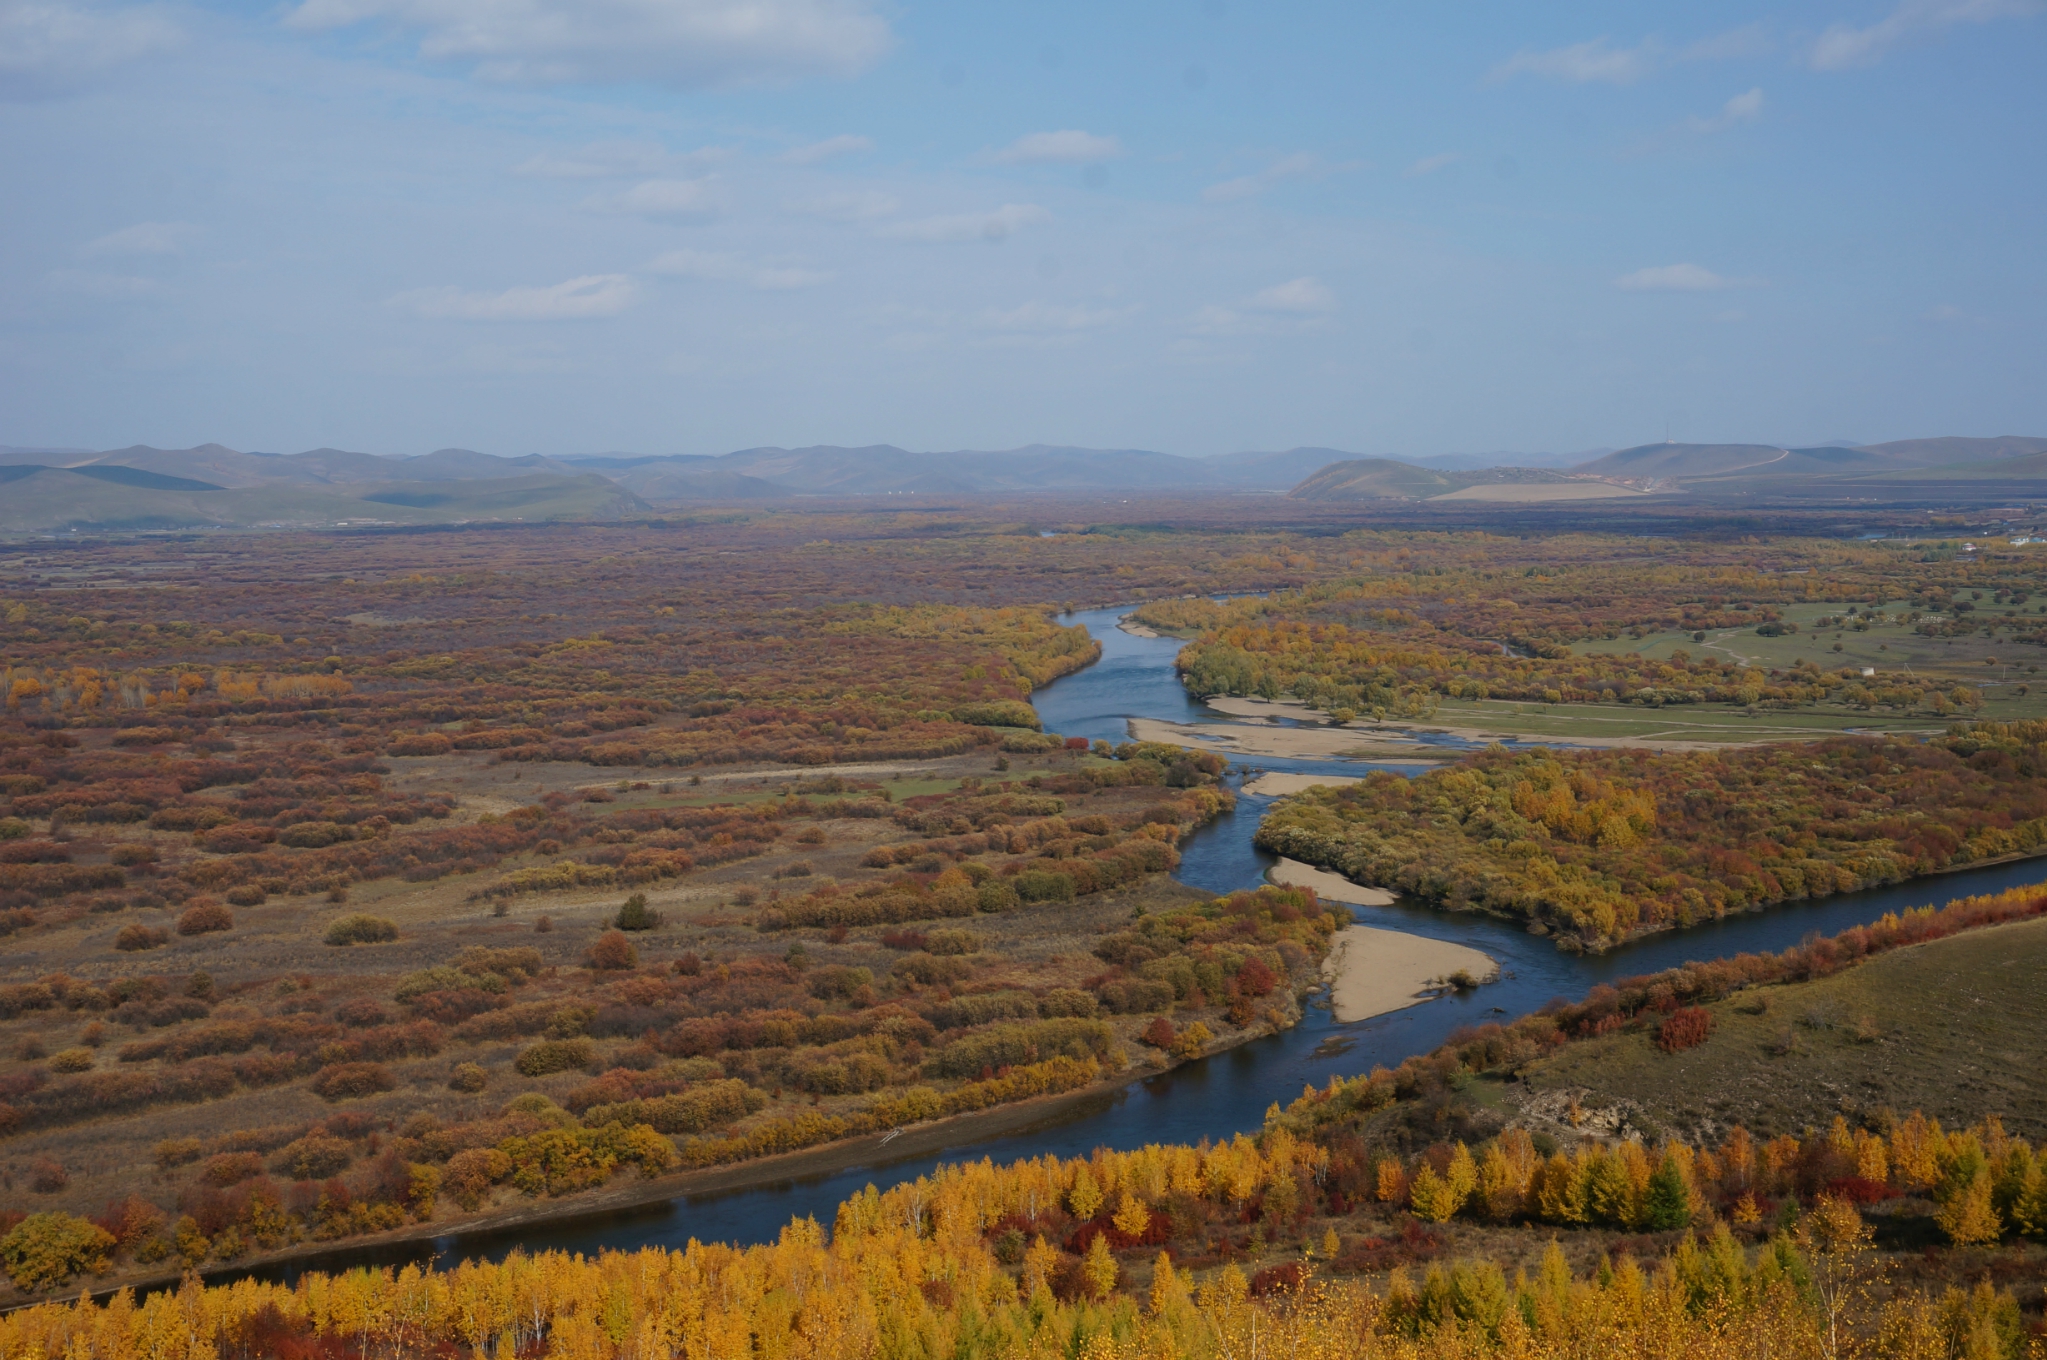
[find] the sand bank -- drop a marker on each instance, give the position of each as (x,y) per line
(1276,784)
(1296,743)
(1372,971)
(1292,873)
(1134,628)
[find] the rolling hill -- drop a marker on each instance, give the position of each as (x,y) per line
(46,499)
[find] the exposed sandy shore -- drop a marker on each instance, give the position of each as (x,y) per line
(1297,743)
(1373,971)
(1135,629)
(1276,784)
(1292,873)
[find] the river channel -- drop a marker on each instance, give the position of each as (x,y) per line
(1228,1093)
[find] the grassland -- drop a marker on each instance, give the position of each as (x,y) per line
(1956,1027)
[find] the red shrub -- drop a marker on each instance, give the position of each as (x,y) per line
(612,952)
(1279,1279)
(1160,1033)
(1684,1029)
(1858,1190)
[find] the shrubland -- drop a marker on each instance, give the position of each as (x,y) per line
(1600,845)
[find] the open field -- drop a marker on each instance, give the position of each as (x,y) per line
(1957,1028)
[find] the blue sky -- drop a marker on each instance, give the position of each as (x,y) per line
(690,226)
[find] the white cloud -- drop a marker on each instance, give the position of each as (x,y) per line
(1743,108)
(1071,147)
(1305,294)
(981,226)
(144,238)
(1678,278)
(828,149)
(1297,307)
(49,46)
(1429,165)
(687,198)
(861,205)
(1599,62)
(678,42)
(1300,165)
(728,268)
(1843,45)
(1586,62)
(600,160)
(591,295)
(1052,317)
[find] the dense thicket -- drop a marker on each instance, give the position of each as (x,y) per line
(1600,845)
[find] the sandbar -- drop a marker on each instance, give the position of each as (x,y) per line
(1278,783)
(1374,971)
(1296,743)
(1291,873)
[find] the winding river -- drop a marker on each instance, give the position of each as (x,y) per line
(1228,1093)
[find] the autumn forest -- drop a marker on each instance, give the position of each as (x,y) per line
(360,888)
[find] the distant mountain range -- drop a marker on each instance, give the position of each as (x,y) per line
(45,489)
(2006,465)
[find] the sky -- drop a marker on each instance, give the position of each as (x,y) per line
(1197,226)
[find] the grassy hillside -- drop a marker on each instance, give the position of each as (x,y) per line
(1957,1028)
(1373,479)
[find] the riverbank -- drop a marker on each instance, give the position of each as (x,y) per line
(1373,971)
(469,1234)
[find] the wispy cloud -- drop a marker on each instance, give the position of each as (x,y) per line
(1586,63)
(1300,165)
(50,46)
(601,160)
(1601,62)
(591,295)
(676,42)
(676,198)
(1743,108)
(1305,294)
(996,225)
(1429,165)
(729,268)
(1679,278)
(144,238)
(1071,147)
(831,148)
(855,205)
(1843,46)
(1296,307)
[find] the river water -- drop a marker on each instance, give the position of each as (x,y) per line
(1228,1093)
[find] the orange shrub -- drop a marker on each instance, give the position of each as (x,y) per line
(204,917)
